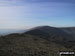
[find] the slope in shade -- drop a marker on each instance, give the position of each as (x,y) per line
(50,33)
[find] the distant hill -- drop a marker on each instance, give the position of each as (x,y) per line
(51,33)
(10,31)
(70,30)
(38,41)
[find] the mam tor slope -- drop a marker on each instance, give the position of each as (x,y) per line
(52,34)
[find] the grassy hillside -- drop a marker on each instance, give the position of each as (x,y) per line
(39,41)
(29,45)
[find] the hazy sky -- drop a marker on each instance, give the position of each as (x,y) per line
(24,14)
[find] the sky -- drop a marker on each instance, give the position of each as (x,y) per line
(25,14)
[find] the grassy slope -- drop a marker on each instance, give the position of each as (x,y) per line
(28,45)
